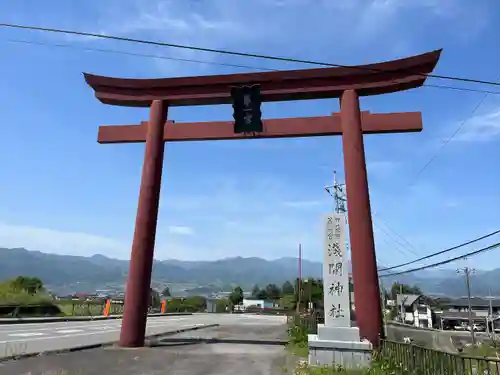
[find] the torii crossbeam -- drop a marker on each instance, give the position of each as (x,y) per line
(273,128)
(344,83)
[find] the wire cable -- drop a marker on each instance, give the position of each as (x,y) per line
(450,138)
(227,52)
(134,54)
(443,146)
(406,244)
(484,249)
(400,246)
(442,251)
(241,66)
(267,57)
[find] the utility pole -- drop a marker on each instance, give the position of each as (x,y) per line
(337,192)
(299,282)
(490,313)
(467,272)
(402,304)
(384,317)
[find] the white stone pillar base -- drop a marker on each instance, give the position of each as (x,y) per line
(339,346)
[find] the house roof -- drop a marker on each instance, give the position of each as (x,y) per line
(475,302)
(407,299)
(456,315)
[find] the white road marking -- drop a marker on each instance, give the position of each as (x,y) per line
(69,330)
(58,337)
(70,336)
(30,327)
(27,334)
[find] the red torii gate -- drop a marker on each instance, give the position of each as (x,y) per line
(344,83)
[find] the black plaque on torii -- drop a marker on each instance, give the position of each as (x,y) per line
(246,104)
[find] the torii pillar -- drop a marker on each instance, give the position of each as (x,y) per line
(344,83)
(363,258)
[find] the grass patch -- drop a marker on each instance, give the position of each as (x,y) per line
(376,369)
(9,296)
(81,309)
(300,350)
(482,350)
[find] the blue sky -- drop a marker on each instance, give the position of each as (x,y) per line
(62,192)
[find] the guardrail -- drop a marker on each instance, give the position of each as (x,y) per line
(55,319)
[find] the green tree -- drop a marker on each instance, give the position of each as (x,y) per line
(312,291)
(255,290)
(273,292)
(155,299)
(198,303)
(288,302)
(221,305)
(236,296)
(166,292)
(262,294)
(406,289)
(287,288)
(31,285)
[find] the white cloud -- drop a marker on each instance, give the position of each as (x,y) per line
(181,230)
(303,204)
(261,26)
(60,242)
(232,216)
(85,244)
(481,128)
(451,203)
(381,166)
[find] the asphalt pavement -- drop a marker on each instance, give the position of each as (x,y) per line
(16,340)
(173,358)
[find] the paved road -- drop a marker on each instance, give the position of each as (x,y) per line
(177,358)
(34,338)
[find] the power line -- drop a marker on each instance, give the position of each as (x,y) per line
(140,41)
(462,89)
(444,144)
(227,52)
(151,56)
(484,249)
(407,244)
(442,251)
(163,57)
(401,245)
(450,138)
(337,192)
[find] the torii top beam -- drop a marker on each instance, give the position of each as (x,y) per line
(321,83)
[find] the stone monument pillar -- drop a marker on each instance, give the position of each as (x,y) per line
(337,341)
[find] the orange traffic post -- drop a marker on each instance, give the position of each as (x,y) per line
(107,308)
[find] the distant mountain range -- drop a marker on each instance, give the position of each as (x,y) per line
(67,274)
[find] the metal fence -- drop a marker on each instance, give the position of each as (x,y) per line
(308,321)
(409,359)
(412,359)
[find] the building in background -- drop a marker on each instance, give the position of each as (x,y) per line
(415,309)
(479,306)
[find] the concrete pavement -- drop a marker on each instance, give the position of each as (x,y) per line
(40,337)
